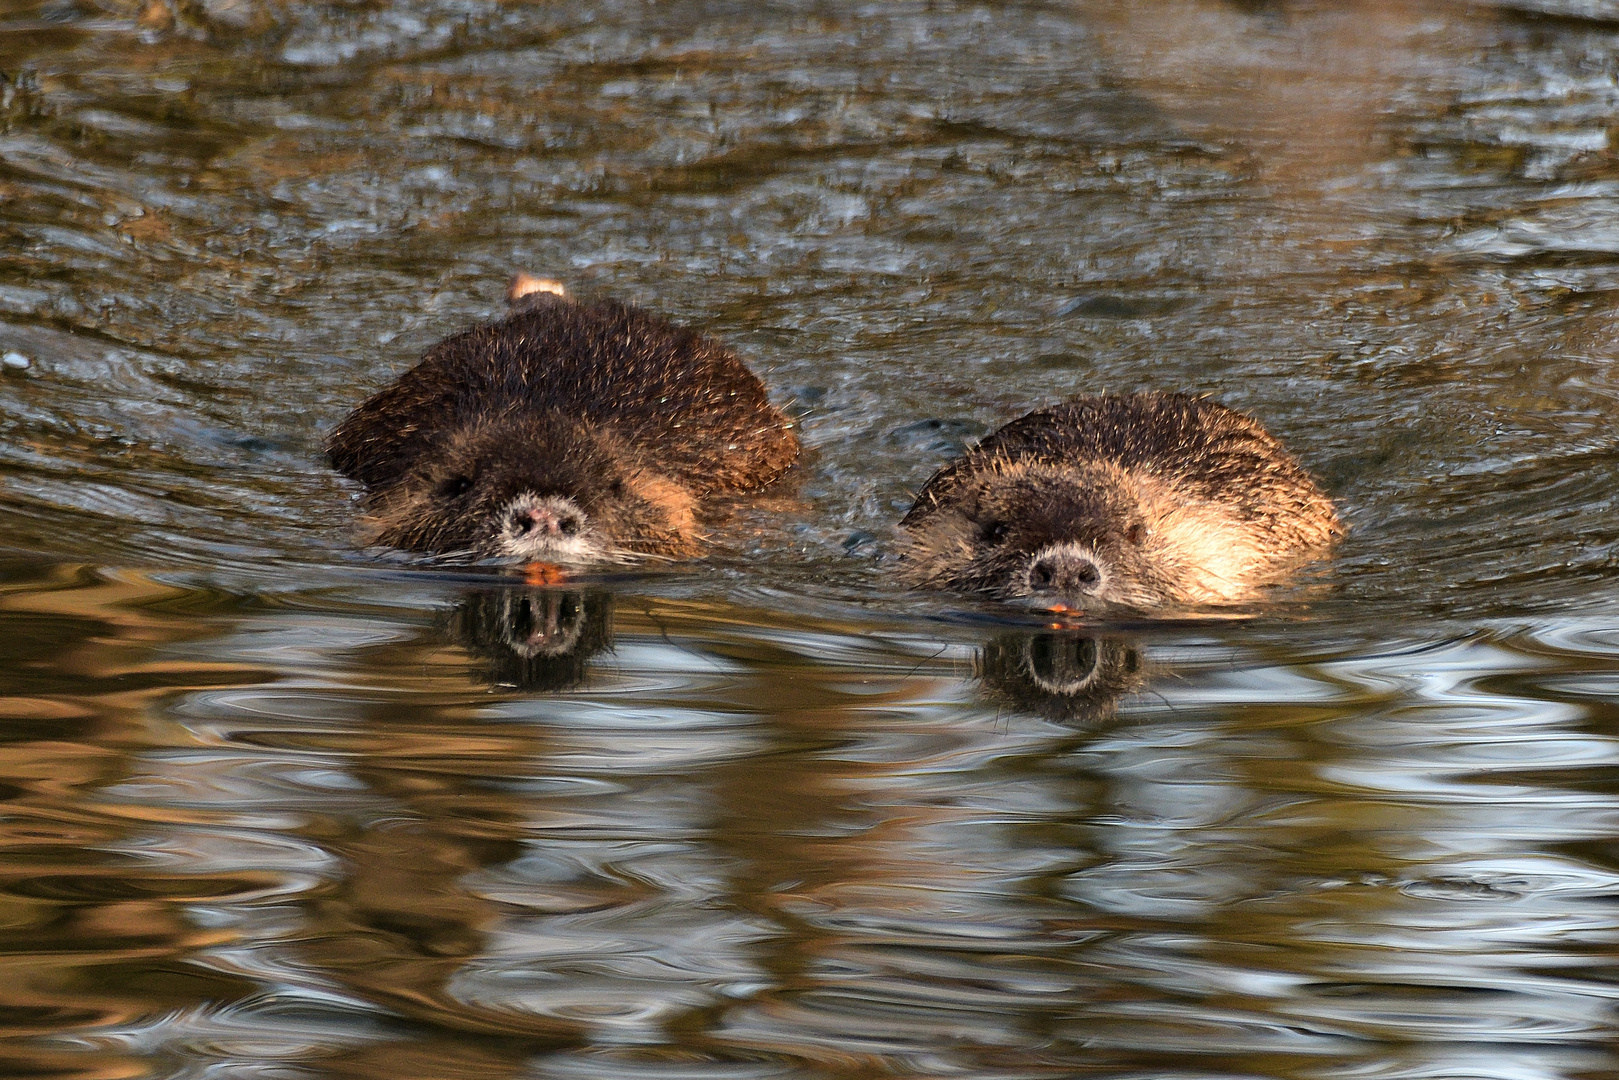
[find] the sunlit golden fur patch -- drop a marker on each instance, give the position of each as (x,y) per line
(674,503)
(526,284)
(1209,556)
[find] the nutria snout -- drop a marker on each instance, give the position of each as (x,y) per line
(1065,568)
(570,431)
(1133,502)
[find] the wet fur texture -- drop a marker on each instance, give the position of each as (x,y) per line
(622,418)
(1160,499)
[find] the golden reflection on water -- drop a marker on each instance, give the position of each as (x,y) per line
(318,832)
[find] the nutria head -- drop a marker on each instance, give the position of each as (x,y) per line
(1136,502)
(532,487)
(1088,535)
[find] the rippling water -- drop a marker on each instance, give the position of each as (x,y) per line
(275,806)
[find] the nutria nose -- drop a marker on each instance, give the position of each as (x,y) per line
(1064,570)
(544,521)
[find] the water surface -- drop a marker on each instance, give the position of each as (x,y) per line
(277,806)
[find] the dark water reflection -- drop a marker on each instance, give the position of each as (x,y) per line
(534,639)
(311,833)
(276,807)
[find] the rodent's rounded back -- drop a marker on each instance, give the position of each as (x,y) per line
(654,383)
(1190,441)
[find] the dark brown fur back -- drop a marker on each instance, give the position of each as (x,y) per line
(679,395)
(1196,444)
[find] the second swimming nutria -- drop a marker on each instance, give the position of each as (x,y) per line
(569,431)
(1133,502)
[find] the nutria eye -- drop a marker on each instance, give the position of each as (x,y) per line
(616,488)
(455,486)
(994,532)
(1137,534)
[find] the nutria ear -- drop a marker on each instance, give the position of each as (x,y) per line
(525,284)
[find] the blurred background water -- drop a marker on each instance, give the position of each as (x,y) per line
(274,806)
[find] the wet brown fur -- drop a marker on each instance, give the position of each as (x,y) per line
(1182,500)
(633,418)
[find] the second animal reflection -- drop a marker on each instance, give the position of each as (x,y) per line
(544,639)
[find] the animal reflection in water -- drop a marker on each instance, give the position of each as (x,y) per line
(1067,677)
(534,639)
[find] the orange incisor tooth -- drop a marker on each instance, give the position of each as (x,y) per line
(544,573)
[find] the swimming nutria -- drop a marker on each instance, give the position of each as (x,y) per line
(569,431)
(1106,501)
